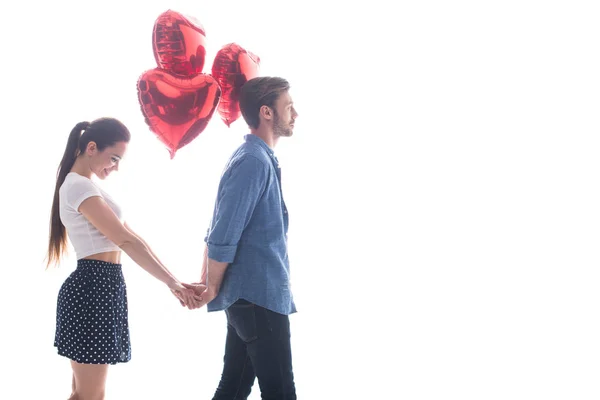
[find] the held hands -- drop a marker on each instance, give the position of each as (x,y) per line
(187,296)
(206,293)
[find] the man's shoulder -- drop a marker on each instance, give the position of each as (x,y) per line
(249,152)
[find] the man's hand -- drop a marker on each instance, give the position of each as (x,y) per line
(201,290)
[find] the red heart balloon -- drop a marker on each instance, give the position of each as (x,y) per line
(179,44)
(233,66)
(176,109)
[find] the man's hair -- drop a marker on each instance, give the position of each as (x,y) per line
(258,92)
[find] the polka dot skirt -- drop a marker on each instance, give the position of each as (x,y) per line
(91,315)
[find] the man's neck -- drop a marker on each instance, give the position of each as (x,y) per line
(267,136)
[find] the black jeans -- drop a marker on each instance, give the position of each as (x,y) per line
(257,346)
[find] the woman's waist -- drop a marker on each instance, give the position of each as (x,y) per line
(108,257)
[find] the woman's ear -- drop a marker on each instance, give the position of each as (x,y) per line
(91,148)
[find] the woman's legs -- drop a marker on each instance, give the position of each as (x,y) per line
(89,381)
(73,397)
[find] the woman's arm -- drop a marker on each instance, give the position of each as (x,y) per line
(104,219)
(149,249)
(176,293)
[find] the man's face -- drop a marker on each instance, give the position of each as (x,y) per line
(284,115)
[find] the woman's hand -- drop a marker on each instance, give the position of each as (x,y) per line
(187,297)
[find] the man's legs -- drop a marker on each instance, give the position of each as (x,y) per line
(266,335)
(238,375)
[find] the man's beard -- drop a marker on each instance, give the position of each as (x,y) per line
(279,127)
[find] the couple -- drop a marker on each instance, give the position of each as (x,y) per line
(245,269)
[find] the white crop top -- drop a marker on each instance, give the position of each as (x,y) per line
(86,239)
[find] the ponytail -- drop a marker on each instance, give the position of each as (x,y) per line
(58,235)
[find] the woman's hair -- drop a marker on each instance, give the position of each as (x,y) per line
(105,132)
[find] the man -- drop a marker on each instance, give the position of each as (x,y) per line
(246,268)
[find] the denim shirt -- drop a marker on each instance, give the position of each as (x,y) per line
(249,231)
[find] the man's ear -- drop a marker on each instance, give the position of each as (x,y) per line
(266,112)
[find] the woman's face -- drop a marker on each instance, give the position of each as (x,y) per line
(102,163)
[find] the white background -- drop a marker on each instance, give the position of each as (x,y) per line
(442,184)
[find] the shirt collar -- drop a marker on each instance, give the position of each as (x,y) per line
(250,138)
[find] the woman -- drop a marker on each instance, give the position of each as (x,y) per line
(91,321)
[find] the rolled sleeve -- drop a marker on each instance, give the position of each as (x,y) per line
(222,253)
(240,189)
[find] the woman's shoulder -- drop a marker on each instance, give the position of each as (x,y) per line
(76,188)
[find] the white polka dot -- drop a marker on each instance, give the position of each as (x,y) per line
(92,314)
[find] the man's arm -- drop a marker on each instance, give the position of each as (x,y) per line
(239,193)
(209,290)
(204,271)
